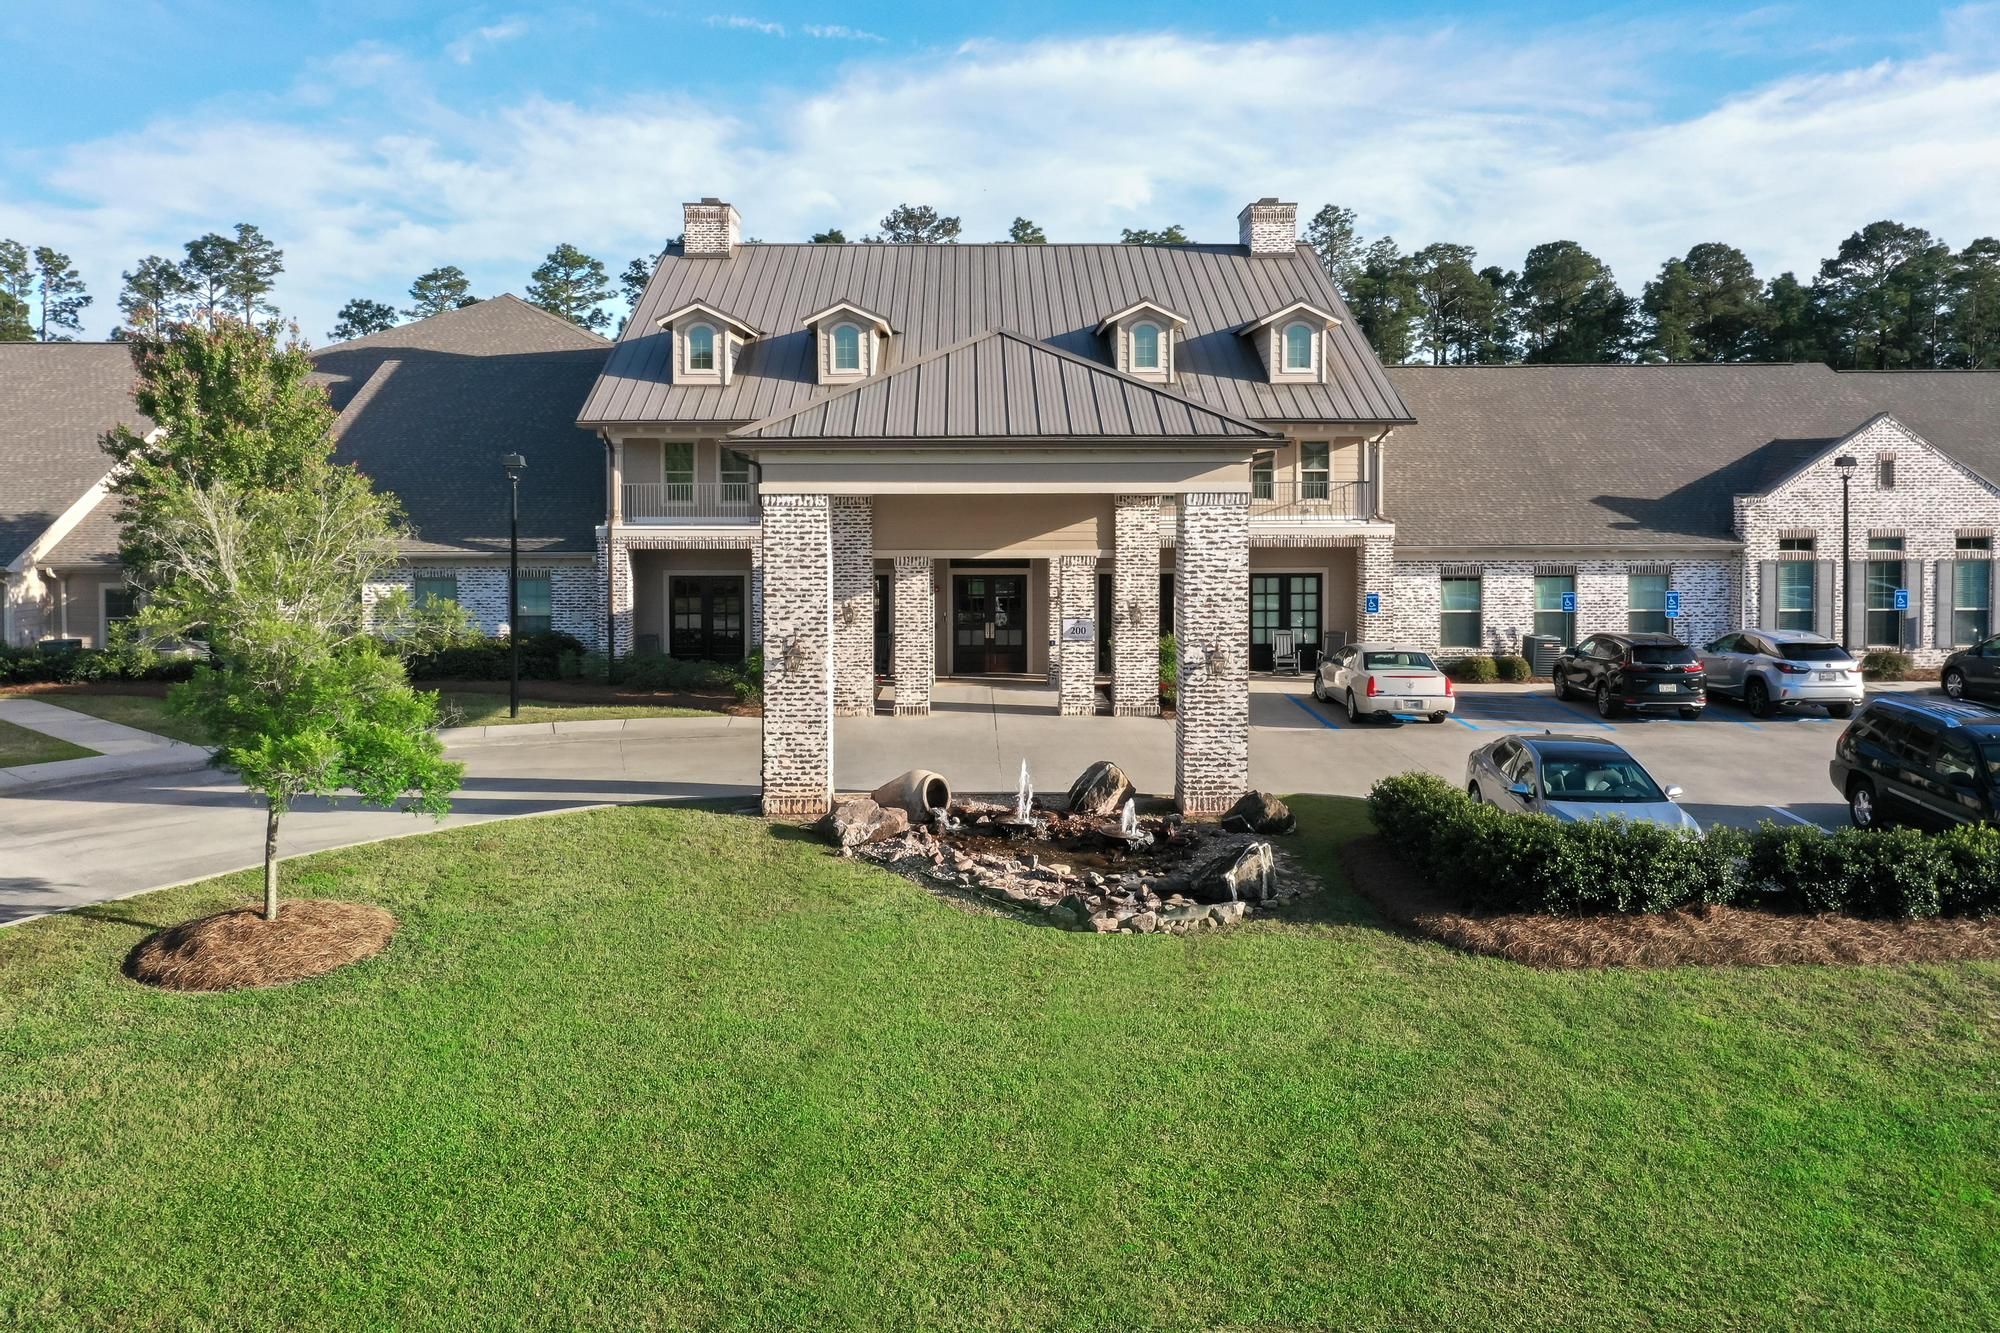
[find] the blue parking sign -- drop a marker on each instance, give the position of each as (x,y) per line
(1673,604)
(1569,603)
(1373,601)
(1902,599)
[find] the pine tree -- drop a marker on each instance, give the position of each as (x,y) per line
(439,290)
(361,317)
(1024,232)
(254,266)
(1569,307)
(1884,297)
(59,295)
(1331,234)
(206,270)
(1384,301)
(572,284)
(17,281)
(1794,324)
(918,224)
(1975,306)
(155,295)
(831,236)
(1455,307)
(1171,234)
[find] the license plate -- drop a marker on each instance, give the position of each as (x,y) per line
(1666,687)
(1413,705)
(1826,675)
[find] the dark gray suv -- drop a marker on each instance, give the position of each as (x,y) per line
(1919,761)
(1971,672)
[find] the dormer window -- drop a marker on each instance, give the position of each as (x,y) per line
(1141,339)
(1292,341)
(706,342)
(846,347)
(701,347)
(1298,347)
(850,342)
(1145,347)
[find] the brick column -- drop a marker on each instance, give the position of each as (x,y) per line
(798,655)
(1375,571)
(1073,666)
(1212,624)
(620,556)
(1135,612)
(853,526)
(757,593)
(916,635)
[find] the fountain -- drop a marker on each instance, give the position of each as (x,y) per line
(1128,819)
(1024,798)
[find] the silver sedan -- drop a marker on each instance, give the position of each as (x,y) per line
(1571,778)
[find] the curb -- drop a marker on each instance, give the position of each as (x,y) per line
(525,733)
(12,785)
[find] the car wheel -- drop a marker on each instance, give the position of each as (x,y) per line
(1690,714)
(1439,718)
(1353,713)
(1841,711)
(1757,697)
(1318,697)
(1607,707)
(1472,790)
(1861,804)
(1954,683)
(1561,684)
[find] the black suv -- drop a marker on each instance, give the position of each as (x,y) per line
(1643,673)
(1921,761)
(1974,670)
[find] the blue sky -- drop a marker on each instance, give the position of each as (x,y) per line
(374,140)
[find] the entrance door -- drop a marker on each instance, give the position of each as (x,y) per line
(1282,601)
(989,624)
(705,617)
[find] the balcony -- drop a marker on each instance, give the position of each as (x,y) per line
(690,502)
(1303,502)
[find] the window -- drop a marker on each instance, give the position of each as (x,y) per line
(1885,471)
(705,617)
(431,589)
(1315,472)
(1459,623)
(535,613)
(1145,347)
(1262,471)
(701,348)
(1298,347)
(1797,587)
(1647,597)
(120,605)
(1550,618)
(1282,601)
(1972,590)
(846,347)
(1884,625)
(677,471)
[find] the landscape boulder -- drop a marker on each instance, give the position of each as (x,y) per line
(1260,812)
(1100,791)
(858,820)
(1238,875)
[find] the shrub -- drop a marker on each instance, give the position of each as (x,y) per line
(1476,670)
(1971,885)
(1512,667)
(1886,664)
(1894,872)
(1170,664)
(542,658)
(657,671)
(82,666)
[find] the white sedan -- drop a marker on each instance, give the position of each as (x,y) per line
(1384,680)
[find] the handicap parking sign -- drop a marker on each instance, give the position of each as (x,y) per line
(1373,602)
(1673,604)
(1902,599)
(1569,603)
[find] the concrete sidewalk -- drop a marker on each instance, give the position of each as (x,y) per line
(122,751)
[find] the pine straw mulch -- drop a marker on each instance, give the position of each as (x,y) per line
(1688,936)
(238,948)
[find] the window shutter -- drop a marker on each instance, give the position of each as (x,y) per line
(1855,602)
(1942,617)
(1993,597)
(1767,594)
(1913,619)
(1823,598)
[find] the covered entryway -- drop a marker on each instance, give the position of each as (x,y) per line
(989,623)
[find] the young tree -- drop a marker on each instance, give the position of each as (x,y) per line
(17,281)
(1331,234)
(918,224)
(1569,307)
(155,294)
(361,317)
(60,295)
(439,290)
(254,266)
(1024,232)
(1171,234)
(831,236)
(572,284)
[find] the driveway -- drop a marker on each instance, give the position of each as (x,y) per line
(75,845)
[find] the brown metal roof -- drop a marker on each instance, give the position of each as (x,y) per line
(938,296)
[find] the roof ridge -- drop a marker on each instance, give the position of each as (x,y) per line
(366,339)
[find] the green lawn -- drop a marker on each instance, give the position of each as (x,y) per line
(649,1067)
(18,745)
(133,710)
(469,708)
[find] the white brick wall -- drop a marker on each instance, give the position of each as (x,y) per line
(915,605)
(574,592)
(798,655)
(1212,625)
(1073,666)
(1507,599)
(1135,609)
(853,520)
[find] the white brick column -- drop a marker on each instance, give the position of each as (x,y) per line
(1135,609)
(916,635)
(798,655)
(853,520)
(1073,666)
(757,594)
(1375,571)
(1212,624)
(620,556)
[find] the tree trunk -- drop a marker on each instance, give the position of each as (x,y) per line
(271,861)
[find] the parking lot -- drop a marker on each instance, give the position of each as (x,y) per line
(1735,769)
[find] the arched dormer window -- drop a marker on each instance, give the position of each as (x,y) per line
(846,347)
(701,347)
(1298,347)
(1145,347)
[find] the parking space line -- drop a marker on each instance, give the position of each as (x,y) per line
(1314,713)
(1469,726)
(1796,819)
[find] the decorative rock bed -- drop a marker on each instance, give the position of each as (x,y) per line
(1084,871)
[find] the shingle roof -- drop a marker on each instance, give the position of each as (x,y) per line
(56,400)
(500,325)
(1644,457)
(936,296)
(1002,384)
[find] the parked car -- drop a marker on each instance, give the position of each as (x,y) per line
(1973,671)
(1933,762)
(1382,680)
(1640,673)
(1769,669)
(1571,778)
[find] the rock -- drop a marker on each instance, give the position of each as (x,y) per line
(1145,923)
(859,820)
(1227,914)
(1237,874)
(1260,812)
(1104,923)
(1100,790)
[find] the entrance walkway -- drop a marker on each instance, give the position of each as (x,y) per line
(122,751)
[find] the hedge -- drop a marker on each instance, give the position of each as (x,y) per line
(82,666)
(1476,670)
(1513,668)
(543,657)
(1887,664)
(1503,862)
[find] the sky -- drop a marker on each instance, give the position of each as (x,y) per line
(374,140)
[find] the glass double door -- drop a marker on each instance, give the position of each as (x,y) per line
(706,617)
(989,624)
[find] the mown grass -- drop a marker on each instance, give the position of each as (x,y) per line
(19,745)
(654,1067)
(469,708)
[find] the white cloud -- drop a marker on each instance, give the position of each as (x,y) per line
(746,24)
(465,48)
(1432,134)
(841,32)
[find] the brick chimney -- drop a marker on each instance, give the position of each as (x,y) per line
(1268,227)
(710,228)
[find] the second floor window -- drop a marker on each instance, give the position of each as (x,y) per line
(1298,347)
(734,470)
(677,469)
(1146,347)
(1315,470)
(846,348)
(701,348)
(1262,474)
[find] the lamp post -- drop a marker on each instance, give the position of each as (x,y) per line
(1845,465)
(515,465)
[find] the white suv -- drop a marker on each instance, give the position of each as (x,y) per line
(1769,669)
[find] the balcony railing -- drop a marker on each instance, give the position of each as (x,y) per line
(1304,501)
(690,502)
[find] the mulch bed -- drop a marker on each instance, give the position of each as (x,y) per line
(238,948)
(148,689)
(583,692)
(1688,936)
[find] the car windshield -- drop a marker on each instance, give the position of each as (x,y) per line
(1596,775)
(1661,654)
(1420,661)
(1813,652)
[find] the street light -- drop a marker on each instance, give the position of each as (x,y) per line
(515,465)
(1845,465)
